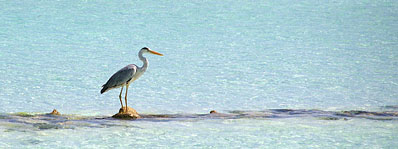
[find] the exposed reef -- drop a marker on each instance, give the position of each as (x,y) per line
(23,121)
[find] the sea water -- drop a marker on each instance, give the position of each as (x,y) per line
(218,55)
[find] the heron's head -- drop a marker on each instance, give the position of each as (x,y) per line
(147,50)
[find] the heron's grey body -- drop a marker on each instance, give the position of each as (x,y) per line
(121,78)
(127,75)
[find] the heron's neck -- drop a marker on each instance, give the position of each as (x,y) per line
(144,60)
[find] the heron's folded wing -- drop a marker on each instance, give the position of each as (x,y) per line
(121,76)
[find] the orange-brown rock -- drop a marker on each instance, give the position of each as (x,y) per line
(55,112)
(213,112)
(130,114)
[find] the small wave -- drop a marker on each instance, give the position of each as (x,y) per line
(390,107)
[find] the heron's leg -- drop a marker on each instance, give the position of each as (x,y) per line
(120,97)
(125,97)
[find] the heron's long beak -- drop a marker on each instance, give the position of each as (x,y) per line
(154,52)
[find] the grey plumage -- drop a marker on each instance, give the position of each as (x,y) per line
(120,78)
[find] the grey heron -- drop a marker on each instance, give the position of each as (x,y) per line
(127,75)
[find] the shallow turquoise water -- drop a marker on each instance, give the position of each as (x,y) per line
(221,55)
(289,133)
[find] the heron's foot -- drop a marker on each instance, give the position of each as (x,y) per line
(123,110)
